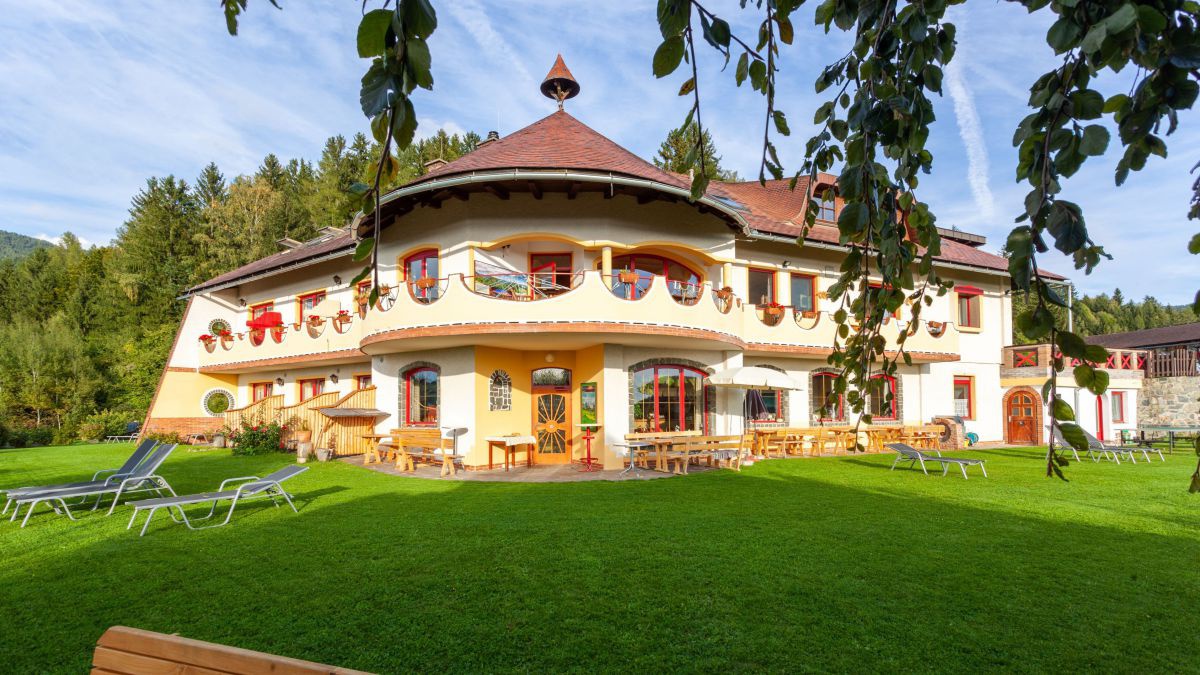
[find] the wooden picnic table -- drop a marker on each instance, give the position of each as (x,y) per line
(373,447)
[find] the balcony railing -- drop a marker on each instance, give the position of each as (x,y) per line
(1183,361)
(660,306)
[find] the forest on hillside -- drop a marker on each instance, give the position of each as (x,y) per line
(87,330)
(13,245)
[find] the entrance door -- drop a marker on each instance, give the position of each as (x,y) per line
(1021,420)
(552,415)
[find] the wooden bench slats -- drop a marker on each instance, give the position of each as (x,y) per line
(132,651)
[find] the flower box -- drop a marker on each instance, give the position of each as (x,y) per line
(627,277)
(425,283)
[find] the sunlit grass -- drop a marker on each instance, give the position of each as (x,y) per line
(830,564)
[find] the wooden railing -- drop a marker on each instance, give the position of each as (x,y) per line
(263,410)
(345,434)
(304,415)
(1173,362)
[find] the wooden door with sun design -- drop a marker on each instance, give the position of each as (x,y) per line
(552,415)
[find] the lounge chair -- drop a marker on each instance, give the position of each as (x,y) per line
(1095,450)
(1128,450)
(142,479)
(252,487)
(914,456)
(110,476)
(130,433)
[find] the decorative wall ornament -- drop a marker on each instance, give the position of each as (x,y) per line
(499,391)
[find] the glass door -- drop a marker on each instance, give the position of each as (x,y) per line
(552,415)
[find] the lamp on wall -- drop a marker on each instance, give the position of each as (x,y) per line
(241,302)
(337,280)
(787,264)
(549,358)
(279,381)
(333,378)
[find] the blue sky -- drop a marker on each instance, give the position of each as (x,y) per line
(96,97)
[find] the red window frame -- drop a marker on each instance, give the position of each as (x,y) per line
(362,381)
(423,257)
(408,390)
(630,261)
(891,386)
(300,299)
(260,390)
(1117,406)
(314,385)
(967,298)
(969,383)
(841,401)
(701,410)
(261,308)
(774,290)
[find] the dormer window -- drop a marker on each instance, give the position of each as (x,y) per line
(827,207)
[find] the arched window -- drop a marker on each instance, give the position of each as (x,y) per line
(668,398)
(883,399)
(500,391)
(419,269)
(823,396)
(682,282)
(421,396)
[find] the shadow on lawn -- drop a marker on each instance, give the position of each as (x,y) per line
(758,570)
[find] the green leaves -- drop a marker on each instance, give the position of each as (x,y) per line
(673,16)
(372,33)
(418,17)
(1095,140)
(854,219)
(364,248)
(668,56)
(1062,410)
(379,89)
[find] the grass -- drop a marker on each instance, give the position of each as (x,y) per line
(831,564)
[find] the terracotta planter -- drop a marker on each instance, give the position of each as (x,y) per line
(628,277)
(277,333)
(302,436)
(774,312)
(725,293)
(808,315)
(425,283)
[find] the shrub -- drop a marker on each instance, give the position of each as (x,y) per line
(98,425)
(256,439)
(163,436)
(21,438)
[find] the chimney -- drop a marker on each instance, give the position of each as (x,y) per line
(491,136)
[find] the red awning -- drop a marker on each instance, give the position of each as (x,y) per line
(266,320)
(968,290)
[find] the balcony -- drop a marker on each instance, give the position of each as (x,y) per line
(522,312)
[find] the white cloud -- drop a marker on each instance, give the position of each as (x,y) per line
(970,129)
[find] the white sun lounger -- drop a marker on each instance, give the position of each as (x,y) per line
(252,487)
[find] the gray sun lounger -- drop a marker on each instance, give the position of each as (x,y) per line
(101,477)
(1127,450)
(142,479)
(913,456)
(252,487)
(1095,450)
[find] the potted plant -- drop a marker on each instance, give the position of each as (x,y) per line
(256,336)
(314,321)
(209,342)
(302,433)
(226,337)
(808,313)
(627,276)
(426,283)
(324,454)
(341,320)
(725,293)
(277,333)
(773,310)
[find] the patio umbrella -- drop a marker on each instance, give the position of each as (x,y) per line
(752,379)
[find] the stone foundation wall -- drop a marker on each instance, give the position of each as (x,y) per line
(1170,400)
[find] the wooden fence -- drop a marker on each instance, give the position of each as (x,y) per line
(304,415)
(1173,362)
(345,434)
(264,410)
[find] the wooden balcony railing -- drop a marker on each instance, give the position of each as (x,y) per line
(1182,361)
(304,415)
(262,411)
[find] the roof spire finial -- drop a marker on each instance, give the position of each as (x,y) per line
(559,84)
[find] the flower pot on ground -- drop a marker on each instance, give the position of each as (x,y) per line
(302,436)
(303,450)
(218,440)
(324,454)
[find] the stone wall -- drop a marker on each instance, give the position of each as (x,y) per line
(1170,400)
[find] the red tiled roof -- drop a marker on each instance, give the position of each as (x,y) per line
(314,249)
(558,141)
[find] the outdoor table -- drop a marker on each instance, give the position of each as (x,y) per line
(509,445)
(373,447)
(633,447)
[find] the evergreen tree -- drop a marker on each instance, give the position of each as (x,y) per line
(679,144)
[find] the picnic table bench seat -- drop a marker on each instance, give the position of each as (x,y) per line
(413,445)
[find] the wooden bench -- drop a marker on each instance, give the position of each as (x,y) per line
(710,448)
(422,444)
(652,437)
(131,651)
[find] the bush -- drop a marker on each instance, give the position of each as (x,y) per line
(163,437)
(256,439)
(98,425)
(20,438)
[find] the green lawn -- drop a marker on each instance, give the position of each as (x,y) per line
(831,564)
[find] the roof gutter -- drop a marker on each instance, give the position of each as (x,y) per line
(334,255)
(841,248)
(611,179)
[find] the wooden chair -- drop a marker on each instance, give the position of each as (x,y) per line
(132,651)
